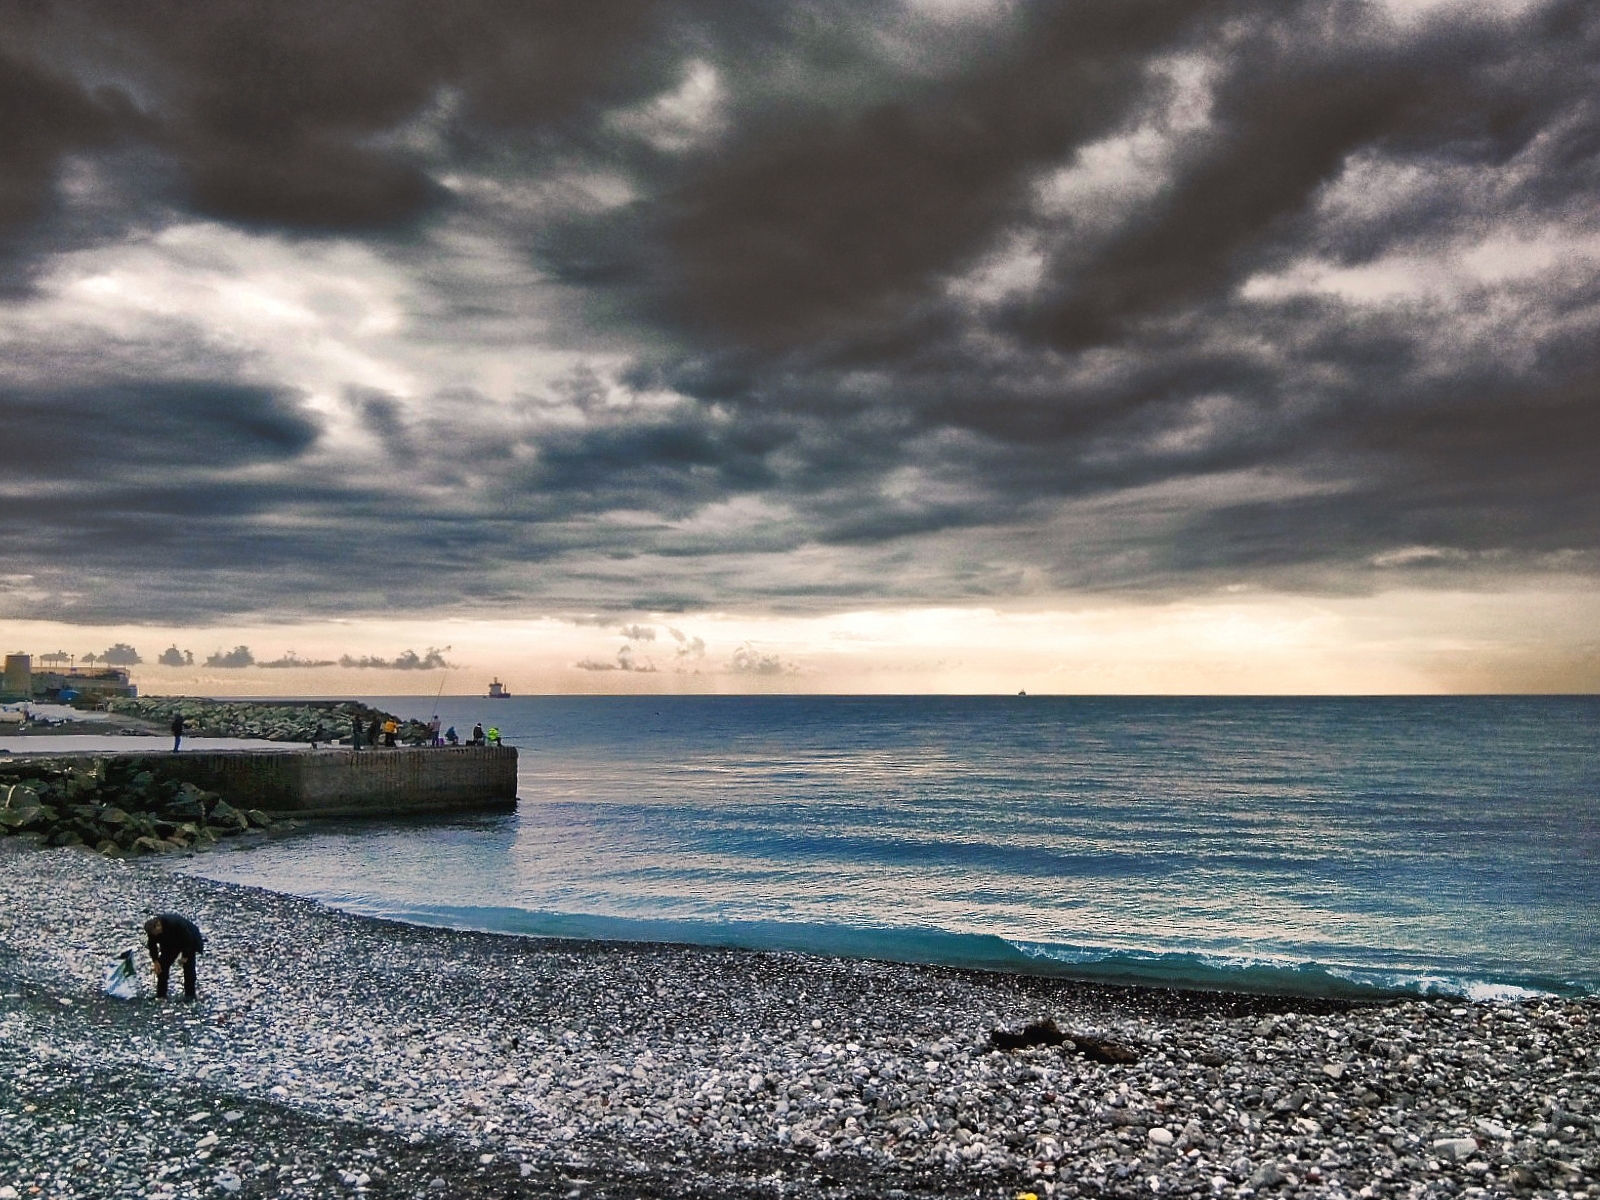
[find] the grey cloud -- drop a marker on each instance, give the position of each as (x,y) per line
(809,409)
(625,661)
(747,660)
(173,657)
(236,659)
(105,432)
(385,416)
(406,660)
(275,116)
(688,647)
(291,660)
(44,116)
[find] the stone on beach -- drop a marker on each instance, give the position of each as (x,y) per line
(511,1066)
(1455,1149)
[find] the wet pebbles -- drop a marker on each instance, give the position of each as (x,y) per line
(334,1055)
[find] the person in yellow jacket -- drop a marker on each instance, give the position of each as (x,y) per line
(391,727)
(494,735)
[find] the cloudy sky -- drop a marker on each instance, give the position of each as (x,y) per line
(892,345)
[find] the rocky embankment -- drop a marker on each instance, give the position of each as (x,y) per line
(105,804)
(328,721)
(331,1055)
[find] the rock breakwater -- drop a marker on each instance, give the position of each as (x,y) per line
(331,1055)
(109,806)
(320,721)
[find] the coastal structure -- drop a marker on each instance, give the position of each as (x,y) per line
(17,682)
(349,783)
(21,682)
(378,783)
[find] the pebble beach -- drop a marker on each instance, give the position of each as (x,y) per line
(334,1055)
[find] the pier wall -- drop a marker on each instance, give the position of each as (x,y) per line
(375,782)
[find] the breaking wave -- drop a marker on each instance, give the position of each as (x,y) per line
(987,952)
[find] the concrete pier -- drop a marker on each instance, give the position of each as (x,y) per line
(374,782)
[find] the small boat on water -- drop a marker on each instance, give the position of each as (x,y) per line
(497,690)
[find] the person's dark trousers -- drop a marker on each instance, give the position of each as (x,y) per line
(165,971)
(175,742)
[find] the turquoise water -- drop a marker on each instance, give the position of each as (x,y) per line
(1329,846)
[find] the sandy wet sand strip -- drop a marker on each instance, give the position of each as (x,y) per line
(337,1055)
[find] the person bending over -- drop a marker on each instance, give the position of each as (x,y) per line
(170,938)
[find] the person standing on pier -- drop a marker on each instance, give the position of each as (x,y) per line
(177,731)
(171,938)
(355,733)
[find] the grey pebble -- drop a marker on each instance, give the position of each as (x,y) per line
(330,1054)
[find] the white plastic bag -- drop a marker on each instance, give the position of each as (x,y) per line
(122,981)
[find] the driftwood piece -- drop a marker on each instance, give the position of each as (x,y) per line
(1046,1033)
(1040,1033)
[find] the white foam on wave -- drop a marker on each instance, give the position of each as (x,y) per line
(1263,973)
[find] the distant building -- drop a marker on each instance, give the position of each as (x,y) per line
(61,687)
(17,683)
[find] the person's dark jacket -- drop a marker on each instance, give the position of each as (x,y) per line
(179,935)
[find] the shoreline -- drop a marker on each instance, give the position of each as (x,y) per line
(326,1047)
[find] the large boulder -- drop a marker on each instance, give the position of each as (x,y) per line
(228,818)
(188,805)
(38,818)
(20,795)
(141,791)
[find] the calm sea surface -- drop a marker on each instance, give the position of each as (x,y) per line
(1324,846)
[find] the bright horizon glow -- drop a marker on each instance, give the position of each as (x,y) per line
(1397,643)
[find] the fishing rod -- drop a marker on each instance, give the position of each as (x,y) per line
(440,692)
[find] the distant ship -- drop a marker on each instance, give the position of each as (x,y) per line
(497,690)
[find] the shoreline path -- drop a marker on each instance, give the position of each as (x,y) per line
(333,1055)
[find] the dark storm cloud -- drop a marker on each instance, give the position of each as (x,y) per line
(386,417)
(275,114)
(1284,128)
(924,295)
(808,227)
(102,433)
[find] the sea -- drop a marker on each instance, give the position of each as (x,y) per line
(1350,847)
